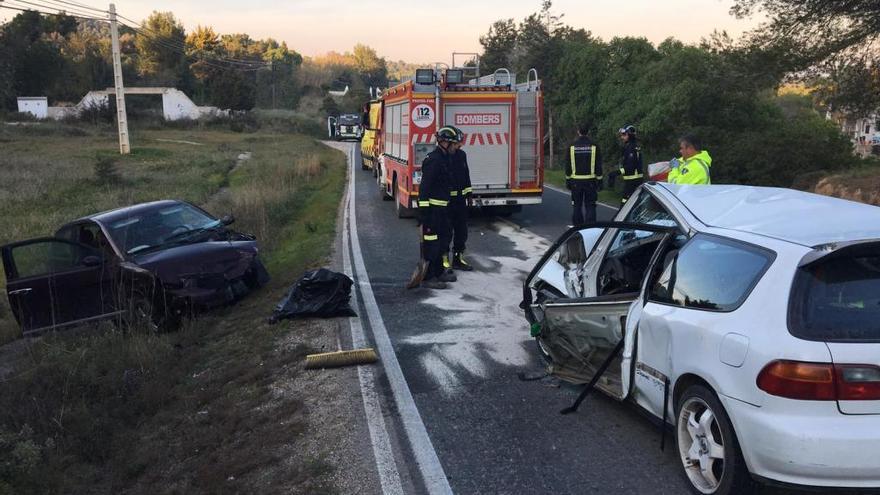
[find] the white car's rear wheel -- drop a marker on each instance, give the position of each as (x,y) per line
(707,445)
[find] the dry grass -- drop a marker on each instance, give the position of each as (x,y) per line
(197,411)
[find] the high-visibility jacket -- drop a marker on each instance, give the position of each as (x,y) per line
(584,161)
(460,176)
(632,167)
(694,170)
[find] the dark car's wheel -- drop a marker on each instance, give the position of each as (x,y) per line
(145,313)
(707,446)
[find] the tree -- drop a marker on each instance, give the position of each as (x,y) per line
(370,66)
(498,46)
(160,48)
(820,27)
(834,44)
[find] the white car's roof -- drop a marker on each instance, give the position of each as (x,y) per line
(795,216)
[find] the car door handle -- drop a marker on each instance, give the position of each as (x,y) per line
(20,291)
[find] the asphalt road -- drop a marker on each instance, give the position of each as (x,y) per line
(461,351)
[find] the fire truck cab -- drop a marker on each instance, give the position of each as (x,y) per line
(502,125)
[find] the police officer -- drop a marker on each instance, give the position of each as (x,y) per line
(694,164)
(460,198)
(434,205)
(583,177)
(632,167)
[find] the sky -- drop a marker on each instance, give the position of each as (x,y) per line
(421,32)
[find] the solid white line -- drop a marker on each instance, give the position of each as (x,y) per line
(560,191)
(426,457)
(389,477)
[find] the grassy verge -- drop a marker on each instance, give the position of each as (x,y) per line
(556,177)
(197,411)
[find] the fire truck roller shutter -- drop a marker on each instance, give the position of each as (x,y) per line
(487,141)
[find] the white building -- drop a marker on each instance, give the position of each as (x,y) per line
(38,106)
(864,133)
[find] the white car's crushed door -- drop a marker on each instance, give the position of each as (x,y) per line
(579,334)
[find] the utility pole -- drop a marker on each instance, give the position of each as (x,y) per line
(274,106)
(121,117)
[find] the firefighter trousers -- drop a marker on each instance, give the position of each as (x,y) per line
(435,235)
(458,218)
(629,187)
(584,194)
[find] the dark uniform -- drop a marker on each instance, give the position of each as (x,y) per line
(433,209)
(583,176)
(632,169)
(458,208)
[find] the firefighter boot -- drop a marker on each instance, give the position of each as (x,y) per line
(459,263)
(447,276)
(434,283)
(446,265)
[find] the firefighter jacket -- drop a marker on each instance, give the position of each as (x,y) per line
(632,167)
(460,177)
(694,170)
(434,191)
(584,161)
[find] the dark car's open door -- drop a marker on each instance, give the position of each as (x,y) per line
(578,334)
(53,282)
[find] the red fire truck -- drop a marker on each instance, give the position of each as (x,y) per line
(502,124)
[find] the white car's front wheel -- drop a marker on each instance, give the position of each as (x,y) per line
(707,445)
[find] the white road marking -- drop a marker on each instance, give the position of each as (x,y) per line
(426,457)
(560,191)
(482,317)
(389,477)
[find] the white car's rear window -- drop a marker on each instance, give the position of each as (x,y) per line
(837,300)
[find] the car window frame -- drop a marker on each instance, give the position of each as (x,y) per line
(11,269)
(91,222)
(771,259)
(607,226)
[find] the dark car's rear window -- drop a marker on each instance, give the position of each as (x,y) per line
(837,300)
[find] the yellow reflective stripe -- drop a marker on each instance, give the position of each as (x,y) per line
(423,204)
(637,175)
(430,237)
(438,202)
(592,174)
(467,190)
(453,193)
(571,158)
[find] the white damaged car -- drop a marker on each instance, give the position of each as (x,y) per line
(747,318)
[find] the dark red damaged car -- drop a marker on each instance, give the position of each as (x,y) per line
(147,264)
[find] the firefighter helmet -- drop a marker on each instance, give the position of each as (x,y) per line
(628,130)
(448,133)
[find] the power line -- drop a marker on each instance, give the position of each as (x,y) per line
(4,6)
(68,6)
(183,45)
(61,12)
(211,60)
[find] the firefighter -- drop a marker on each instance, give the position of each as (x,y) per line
(694,164)
(632,167)
(434,205)
(583,177)
(460,198)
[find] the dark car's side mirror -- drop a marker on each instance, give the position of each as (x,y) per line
(91,261)
(227,220)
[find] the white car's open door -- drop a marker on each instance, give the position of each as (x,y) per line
(582,336)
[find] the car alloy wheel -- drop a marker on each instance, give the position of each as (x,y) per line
(707,445)
(701,445)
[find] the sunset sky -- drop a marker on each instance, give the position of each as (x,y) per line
(421,31)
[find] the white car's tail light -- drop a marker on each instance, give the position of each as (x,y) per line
(820,381)
(858,382)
